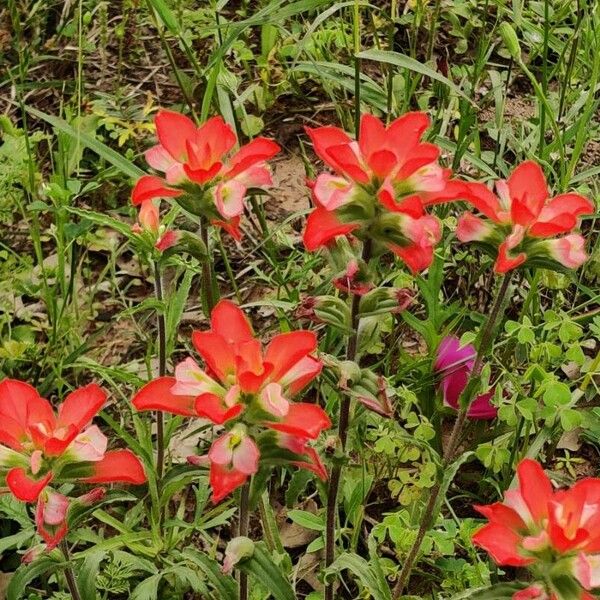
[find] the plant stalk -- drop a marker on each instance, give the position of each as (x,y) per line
(343,424)
(486,340)
(69,573)
(162,370)
(207,277)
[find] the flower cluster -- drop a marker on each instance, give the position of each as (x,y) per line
(199,171)
(39,447)
(380,187)
(554,533)
(248,390)
(521,217)
(454,364)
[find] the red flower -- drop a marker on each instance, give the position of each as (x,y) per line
(37,445)
(149,222)
(51,517)
(455,365)
(535,523)
(520,219)
(233,458)
(241,380)
(380,188)
(198,158)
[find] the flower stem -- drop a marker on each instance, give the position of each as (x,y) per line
(69,573)
(162,369)
(207,276)
(343,424)
(485,341)
(243,531)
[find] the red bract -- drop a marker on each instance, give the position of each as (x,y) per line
(243,383)
(536,524)
(380,188)
(521,217)
(149,223)
(198,161)
(38,446)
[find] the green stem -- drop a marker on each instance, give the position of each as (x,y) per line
(162,369)
(357,64)
(344,422)
(485,341)
(69,573)
(207,275)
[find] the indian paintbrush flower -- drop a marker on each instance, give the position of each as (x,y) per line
(38,446)
(201,171)
(523,222)
(380,187)
(248,390)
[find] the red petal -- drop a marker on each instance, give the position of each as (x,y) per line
(325,137)
(323,226)
(218,136)
(528,192)
(81,406)
(25,488)
(173,130)
(201,176)
(347,162)
(303,420)
(505,263)
(406,131)
(417,258)
(232,227)
(421,155)
(213,408)
(313,463)
(157,395)
(454,190)
(117,466)
(372,136)
(218,355)
(483,199)
(229,321)
(502,515)
(502,544)
(382,162)
(257,151)
(223,481)
(535,487)
(151,186)
(560,215)
(287,349)
(20,405)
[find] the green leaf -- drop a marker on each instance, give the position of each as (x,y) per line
(307,520)
(406,62)
(88,574)
(224,585)
(369,572)
(104,220)
(19,583)
(108,154)
(261,566)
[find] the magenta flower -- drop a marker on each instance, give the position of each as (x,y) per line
(455,364)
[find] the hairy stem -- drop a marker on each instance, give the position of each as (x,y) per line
(207,283)
(162,369)
(69,573)
(343,424)
(485,341)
